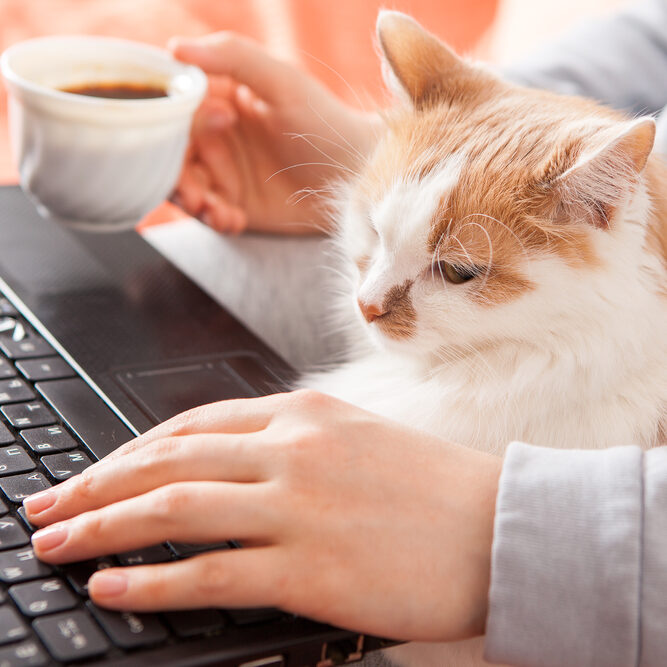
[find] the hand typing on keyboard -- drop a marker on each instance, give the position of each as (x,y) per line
(343,516)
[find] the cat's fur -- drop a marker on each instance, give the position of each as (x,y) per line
(561,339)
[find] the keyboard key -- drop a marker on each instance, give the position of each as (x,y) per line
(252,616)
(27,415)
(129,630)
(155,554)
(7,369)
(48,439)
(20,565)
(15,390)
(33,346)
(3,508)
(44,596)
(7,309)
(66,465)
(6,436)
(85,413)
(78,573)
(71,636)
(31,528)
(26,654)
(12,327)
(12,627)
(48,368)
(193,622)
(12,533)
(18,487)
(15,459)
(184,549)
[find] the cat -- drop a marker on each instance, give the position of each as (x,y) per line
(506,256)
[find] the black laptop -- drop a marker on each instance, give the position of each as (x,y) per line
(101,338)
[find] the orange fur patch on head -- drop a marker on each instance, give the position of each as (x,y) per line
(427,70)
(499,287)
(540,173)
(400,316)
(508,202)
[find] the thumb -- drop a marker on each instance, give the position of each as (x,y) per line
(239,57)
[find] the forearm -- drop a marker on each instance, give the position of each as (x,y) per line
(579,558)
(620,60)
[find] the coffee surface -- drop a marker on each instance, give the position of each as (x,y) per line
(119,91)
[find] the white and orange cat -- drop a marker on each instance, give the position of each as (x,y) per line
(507,254)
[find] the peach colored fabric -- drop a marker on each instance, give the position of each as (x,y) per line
(331,39)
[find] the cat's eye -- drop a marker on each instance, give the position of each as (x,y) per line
(455,273)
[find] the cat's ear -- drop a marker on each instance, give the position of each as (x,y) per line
(415,62)
(601,178)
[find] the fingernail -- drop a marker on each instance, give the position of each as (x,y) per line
(186,49)
(107,584)
(174,42)
(244,94)
(219,120)
(49,538)
(260,107)
(39,502)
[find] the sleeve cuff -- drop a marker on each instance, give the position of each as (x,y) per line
(566,561)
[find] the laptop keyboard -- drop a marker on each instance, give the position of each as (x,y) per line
(46,617)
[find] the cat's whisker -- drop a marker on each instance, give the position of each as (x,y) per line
(309,164)
(312,144)
(298,196)
(454,237)
(311,226)
(335,131)
(310,136)
(345,277)
(435,256)
(489,263)
(338,75)
(520,241)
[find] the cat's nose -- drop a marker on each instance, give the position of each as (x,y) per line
(370,311)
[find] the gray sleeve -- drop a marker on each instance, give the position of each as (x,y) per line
(579,564)
(620,60)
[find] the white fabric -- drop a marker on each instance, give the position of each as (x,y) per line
(279,287)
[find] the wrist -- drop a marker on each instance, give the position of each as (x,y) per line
(488,470)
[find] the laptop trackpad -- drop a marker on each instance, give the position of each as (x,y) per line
(164,391)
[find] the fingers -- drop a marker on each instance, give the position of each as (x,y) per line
(224,417)
(222,216)
(250,104)
(239,57)
(235,578)
(192,186)
(200,512)
(214,115)
(207,457)
(234,416)
(219,161)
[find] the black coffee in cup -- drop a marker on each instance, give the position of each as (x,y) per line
(119,91)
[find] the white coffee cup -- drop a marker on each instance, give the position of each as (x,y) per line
(92,162)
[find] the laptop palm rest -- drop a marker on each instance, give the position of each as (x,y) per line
(162,391)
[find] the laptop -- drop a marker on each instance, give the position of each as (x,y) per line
(101,338)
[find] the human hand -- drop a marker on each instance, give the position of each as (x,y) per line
(267,139)
(345,517)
